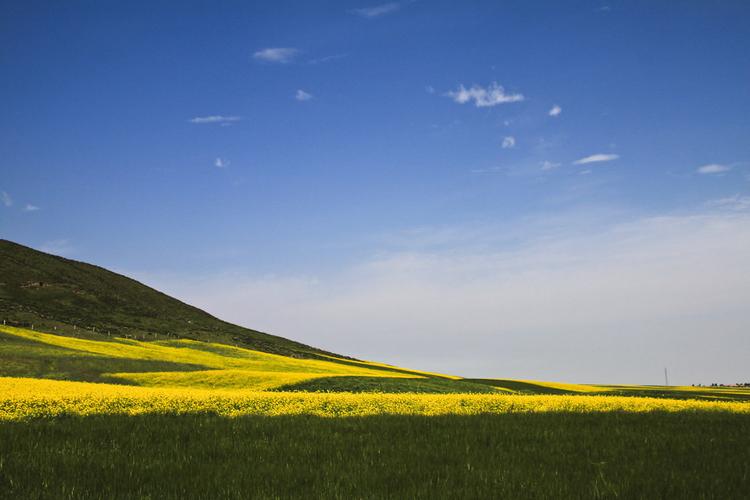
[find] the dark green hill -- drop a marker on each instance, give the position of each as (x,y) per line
(67,297)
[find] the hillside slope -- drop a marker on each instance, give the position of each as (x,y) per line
(67,297)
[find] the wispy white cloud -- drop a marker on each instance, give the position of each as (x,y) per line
(280,55)
(377,10)
(555,111)
(508,142)
(549,165)
(30,208)
(61,247)
(586,171)
(325,59)
(301,95)
(492,95)
(487,170)
(6,199)
(221,163)
(713,168)
(596,158)
(736,202)
(215,119)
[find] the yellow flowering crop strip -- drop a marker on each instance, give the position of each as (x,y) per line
(209,355)
(22,398)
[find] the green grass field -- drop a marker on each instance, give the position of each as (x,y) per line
(547,455)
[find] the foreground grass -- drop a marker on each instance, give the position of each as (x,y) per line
(543,455)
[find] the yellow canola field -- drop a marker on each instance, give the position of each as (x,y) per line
(22,398)
(226,367)
(209,355)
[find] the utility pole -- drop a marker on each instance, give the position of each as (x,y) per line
(666,377)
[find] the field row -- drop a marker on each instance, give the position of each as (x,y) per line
(22,398)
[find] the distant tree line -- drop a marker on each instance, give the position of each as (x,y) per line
(738,384)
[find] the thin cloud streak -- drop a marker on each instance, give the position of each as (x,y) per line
(736,202)
(215,119)
(6,199)
(281,55)
(713,168)
(597,158)
(325,59)
(487,170)
(377,10)
(61,247)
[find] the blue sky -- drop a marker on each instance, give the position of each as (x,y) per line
(298,154)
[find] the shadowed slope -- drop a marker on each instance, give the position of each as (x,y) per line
(389,385)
